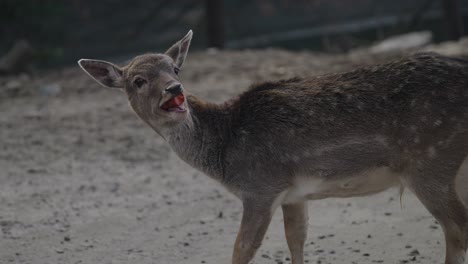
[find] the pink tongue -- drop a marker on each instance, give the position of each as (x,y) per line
(174,102)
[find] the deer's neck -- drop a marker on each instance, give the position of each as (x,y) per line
(201,139)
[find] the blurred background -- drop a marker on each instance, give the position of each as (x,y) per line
(83,180)
(61,31)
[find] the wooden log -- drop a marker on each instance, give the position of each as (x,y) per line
(17,58)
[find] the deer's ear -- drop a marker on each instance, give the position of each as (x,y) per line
(179,50)
(105,73)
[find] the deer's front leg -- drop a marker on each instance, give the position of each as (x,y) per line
(295,225)
(255,220)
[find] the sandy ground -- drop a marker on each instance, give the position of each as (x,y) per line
(82,180)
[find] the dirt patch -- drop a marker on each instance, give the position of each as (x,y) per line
(82,180)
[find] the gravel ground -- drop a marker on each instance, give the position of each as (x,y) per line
(82,180)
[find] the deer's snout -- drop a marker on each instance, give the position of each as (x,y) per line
(175,89)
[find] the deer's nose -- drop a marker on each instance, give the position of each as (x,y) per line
(175,89)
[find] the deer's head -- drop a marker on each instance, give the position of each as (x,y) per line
(151,83)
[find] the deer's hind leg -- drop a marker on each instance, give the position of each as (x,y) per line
(295,226)
(433,182)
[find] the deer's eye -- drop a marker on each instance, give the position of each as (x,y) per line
(176,70)
(139,82)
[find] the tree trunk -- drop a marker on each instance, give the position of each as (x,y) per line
(453,19)
(215,23)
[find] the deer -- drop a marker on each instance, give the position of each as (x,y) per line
(402,123)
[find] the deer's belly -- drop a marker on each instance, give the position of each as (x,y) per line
(365,183)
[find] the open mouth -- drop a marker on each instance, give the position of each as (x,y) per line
(175,104)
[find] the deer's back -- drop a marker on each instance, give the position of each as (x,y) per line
(344,123)
(404,91)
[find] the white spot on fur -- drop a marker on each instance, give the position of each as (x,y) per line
(431,152)
(360,105)
(438,122)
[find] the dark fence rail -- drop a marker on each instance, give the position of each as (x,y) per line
(62,31)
